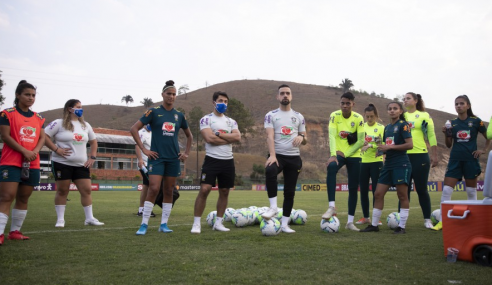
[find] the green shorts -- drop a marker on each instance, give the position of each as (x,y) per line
(469,169)
(164,168)
(13,174)
(395,176)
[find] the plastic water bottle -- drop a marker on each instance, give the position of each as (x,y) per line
(449,129)
(144,169)
(25,170)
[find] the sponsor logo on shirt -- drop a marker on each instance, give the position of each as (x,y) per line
(369,139)
(168,129)
(463,136)
(343,134)
(27,134)
(411,124)
(52,125)
(223,131)
(78,138)
(286,131)
(390,140)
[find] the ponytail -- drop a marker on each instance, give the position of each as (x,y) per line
(401,117)
(371,108)
(420,103)
(23,84)
(469,112)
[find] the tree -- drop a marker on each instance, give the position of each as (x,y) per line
(194,120)
(183,90)
(2,98)
(243,116)
(179,109)
(127,99)
(147,102)
(258,172)
(346,84)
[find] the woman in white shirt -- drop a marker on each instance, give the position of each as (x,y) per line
(69,159)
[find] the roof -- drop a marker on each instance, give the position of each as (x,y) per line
(106,138)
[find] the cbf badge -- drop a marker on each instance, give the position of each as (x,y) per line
(150,168)
(204,175)
(5,174)
(58,174)
(294,120)
(352,124)
(176,117)
(470,124)
(395,130)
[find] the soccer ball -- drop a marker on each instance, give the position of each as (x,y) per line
(270,227)
(299,217)
(240,219)
(259,218)
(211,218)
(252,208)
(330,226)
(436,216)
(393,220)
(253,217)
(280,213)
(228,214)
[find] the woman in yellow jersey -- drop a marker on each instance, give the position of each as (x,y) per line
(372,160)
(422,128)
(489,130)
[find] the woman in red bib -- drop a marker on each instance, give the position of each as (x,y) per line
(23,136)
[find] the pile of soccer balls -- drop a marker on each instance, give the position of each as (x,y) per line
(393,219)
(252,216)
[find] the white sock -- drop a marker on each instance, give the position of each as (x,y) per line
(3,222)
(471,192)
(166,212)
(376,216)
(218,220)
(331,204)
(140,209)
(60,212)
(285,221)
(350,219)
(196,220)
(18,217)
(446,194)
(148,206)
(403,217)
(273,202)
(88,213)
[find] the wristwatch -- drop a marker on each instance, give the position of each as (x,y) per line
(217,133)
(92,157)
(302,135)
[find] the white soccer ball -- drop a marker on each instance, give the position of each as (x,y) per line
(280,213)
(270,227)
(299,217)
(252,208)
(240,219)
(211,218)
(330,226)
(228,214)
(393,220)
(251,217)
(436,216)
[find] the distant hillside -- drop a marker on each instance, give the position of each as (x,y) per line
(315,102)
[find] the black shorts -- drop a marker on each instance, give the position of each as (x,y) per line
(219,170)
(145,178)
(66,172)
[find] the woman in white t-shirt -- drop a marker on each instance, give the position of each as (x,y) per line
(69,160)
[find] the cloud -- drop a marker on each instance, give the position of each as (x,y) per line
(4,20)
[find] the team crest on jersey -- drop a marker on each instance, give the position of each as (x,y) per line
(352,124)
(390,140)
(27,134)
(5,174)
(375,130)
(463,136)
(78,138)
(416,116)
(286,131)
(168,129)
(294,120)
(395,130)
(58,174)
(470,124)
(176,117)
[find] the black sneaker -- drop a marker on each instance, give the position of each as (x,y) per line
(399,230)
(139,214)
(370,228)
(152,214)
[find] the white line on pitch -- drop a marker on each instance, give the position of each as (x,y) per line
(96,229)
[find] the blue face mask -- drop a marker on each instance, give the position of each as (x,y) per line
(147,127)
(220,107)
(78,112)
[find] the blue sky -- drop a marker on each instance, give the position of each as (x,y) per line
(99,51)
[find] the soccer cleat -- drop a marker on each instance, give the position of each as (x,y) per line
(270,213)
(143,230)
(220,228)
(363,221)
(437,227)
(428,224)
(351,226)
(93,222)
(139,214)
(16,235)
(196,229)
(2,237)
(152,214)
(329,213)
(286,229)
(164,229)
(399,230)
(370,228)
(60,224)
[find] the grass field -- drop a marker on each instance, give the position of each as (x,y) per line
(112,254)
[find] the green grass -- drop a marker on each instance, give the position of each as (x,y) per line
(112,254)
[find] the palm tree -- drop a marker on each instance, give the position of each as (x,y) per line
(2,98)
(346,84)
(147,102)
(127,99)
(183,90)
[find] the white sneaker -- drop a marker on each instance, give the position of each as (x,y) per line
(270,213)
(196,229)
(428,224)
(93,222)
(330,212)
(286,229)
(351,226)
(220,228)
(60,224)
